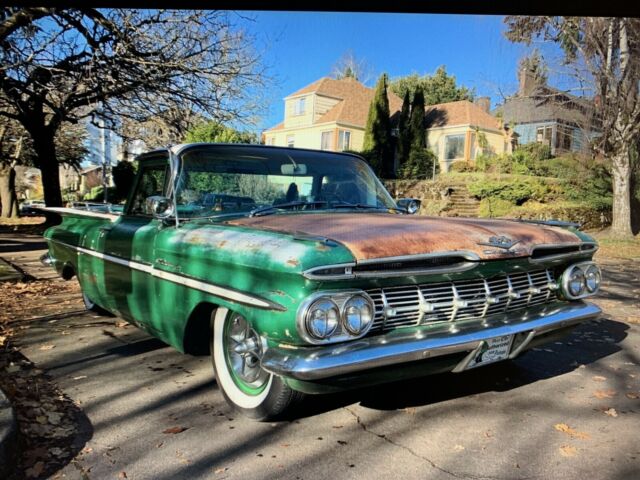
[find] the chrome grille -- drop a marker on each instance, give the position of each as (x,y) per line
(411,305)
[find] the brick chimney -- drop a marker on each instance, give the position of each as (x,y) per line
(484,103)
(527,82)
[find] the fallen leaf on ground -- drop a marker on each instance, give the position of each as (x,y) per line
(605,393)
(611,412)
(564,428)
(35,471)
(175,430)
(221,470)
(121,323)
(122,475)
(633,395)
(47,347)
(568,451)
(599,378)
(12,368)
(458,448)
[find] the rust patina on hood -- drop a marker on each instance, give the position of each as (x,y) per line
(375,235)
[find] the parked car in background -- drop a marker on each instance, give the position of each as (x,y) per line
(31,208)
(300,274)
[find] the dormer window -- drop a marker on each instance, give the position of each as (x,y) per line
(299,106)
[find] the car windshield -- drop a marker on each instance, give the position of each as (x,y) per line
(231,180)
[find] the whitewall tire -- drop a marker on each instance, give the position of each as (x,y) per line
(235,354)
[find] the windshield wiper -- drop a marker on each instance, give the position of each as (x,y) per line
(268,210)
(365,206)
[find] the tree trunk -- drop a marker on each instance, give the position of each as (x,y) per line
(8,198)
(621,224)
(45,148)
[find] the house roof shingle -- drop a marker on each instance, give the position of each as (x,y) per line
(354,103)
(462,112)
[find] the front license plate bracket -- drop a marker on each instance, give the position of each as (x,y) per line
(490,351)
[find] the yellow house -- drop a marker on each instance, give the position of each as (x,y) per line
(460,131)
(328,114)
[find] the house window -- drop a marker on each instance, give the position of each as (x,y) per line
(543,135)
(474,146)
(454,147)
(299,106)
(344,140)
(563,137)
(290,141)
(326,140)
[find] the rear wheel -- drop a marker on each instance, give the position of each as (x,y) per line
(236,349)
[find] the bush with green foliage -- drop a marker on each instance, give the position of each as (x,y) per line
(215,132)
(515,190)
(462,166)
(419,165)
(377,132)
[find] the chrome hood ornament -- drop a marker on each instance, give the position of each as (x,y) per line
(500,242)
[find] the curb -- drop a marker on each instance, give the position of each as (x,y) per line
(14,275)
(8,436)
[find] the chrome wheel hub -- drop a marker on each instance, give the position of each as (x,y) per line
(244,351)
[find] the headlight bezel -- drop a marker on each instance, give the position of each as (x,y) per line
(344,315)
(340,299)
(582,268)
(598,276)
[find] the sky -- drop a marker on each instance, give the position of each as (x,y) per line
(300,47)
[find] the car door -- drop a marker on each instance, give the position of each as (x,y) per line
(128,248)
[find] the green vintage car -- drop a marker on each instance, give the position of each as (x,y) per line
(299,273)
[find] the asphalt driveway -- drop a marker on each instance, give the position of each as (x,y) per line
(143,411)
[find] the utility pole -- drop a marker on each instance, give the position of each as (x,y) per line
(105,183)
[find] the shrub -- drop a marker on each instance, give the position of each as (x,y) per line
(534,152)
(462,166)
(495,207)
(419,165)
(516,191)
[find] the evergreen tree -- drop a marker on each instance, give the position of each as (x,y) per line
(416,122)
(404,133)
(378,144)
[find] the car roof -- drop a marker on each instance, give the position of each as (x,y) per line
(250,148)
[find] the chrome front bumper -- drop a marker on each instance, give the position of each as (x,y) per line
(418,343)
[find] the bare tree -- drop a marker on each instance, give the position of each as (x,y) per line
(604,54)
(348,66)
(16,149)
(63,65)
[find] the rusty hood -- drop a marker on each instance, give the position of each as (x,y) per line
(378,235)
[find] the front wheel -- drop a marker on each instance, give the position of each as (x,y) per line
(236,350)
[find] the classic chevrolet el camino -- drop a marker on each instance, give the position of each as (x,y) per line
(299,274)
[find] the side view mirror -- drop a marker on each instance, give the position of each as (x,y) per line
(158,206)
(409,205)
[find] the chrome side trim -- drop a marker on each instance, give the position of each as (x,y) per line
(561,256)
(213,289)
(471,257)
(82,213)
(47,260)
(408,345)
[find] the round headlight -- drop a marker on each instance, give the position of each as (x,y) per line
(357,315)
(322,318)
(593,277)
(576,282)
